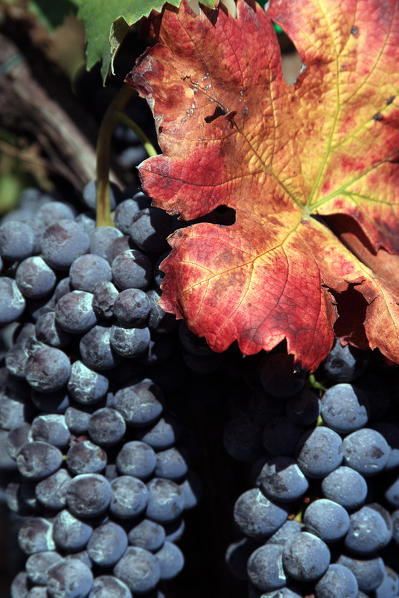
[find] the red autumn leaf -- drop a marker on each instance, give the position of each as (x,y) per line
(311,171)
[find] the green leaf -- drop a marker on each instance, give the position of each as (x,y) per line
(107,23)
(52,14)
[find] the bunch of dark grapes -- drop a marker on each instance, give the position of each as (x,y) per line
(98,477)
(322,517)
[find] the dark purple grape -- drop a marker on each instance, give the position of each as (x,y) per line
(89,195)
(149,229)
(369,573)
(129,342)
(69,579)
(50,428)
(69,533)
(17,240)
(107,544)
(344,408)
(48,331)
(19,586)
(170,464)
(88,495)
(139,569)
(106,427)
(88,270)
(304,409)
(53,211)
(136,459)
(281,479)
(85,385)
(52,491)
(12,412)
(344,363)
(35,535)
(106,586)
(278,375)
(12,302)
(47,369)
(346,487)
(87,223)
(326,519)
(369,531)
(85,457)
(38,460)
(139,404)
(74,312)
(265,567)
(34,278)
(104,295)
(102,239)
(161,435)
(131,308)
(38,564)
(147,534)
(125,214)
(96,351)
(77,420)
(170,559)
(366,451)
(338,581)
(129,497)
(305,557)
(319,452)
(159,321)
(117,246)
(63,242)
(132,269)
(165,500)
(257,516)
(16,439)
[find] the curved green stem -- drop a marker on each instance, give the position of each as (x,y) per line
(124,119)
(103,152)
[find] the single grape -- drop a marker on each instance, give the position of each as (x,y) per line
(344,363)
(140,404)
(102,239)
(326,519)
(88,495)
(136,459)
(129,497)
(129,342)
(104,295)
(52,491)
(369,573)
(344,408)
(38,564)
(131,308)
(165,500)
(12,302)
(34,278)
(89,195)
(106,427)
(96,351)
(170,464)
(62,243)
(69,579)
(147,534)
(17,240)
(47,369)
(305,557)
(256,515)
(74,312)
(36,535)
(368,531)
(38,460)
(50,428)
(88,270)
(132,269)
(85,385)
(77,420)
(85,457)
(389,586)
(170,559)
(319,452)
(303,409)
(161,435)
(106,586)
(107,544)
(139,569)
(69,533)
(337,582)
(282,480)
(366,451)
(265,567)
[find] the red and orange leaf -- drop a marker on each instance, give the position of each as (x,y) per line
(298,164)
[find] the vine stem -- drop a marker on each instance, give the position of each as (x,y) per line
(124,119)
(112,116)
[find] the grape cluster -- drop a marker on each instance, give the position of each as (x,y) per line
(322,517)
(100,477)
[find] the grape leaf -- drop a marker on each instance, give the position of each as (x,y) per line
(107,23)
(311,171)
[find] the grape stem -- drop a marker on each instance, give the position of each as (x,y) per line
(112,116)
